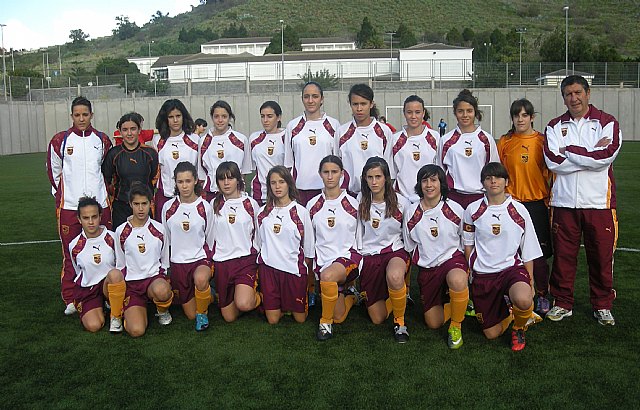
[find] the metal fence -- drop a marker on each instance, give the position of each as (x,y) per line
(476,75)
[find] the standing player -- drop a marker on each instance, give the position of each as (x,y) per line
(308,139)
(286,247)
(361,138)
(500,244)
(187,221)
(433,233)
(235,248)
(413,146)
(201,127)
(580,148)
(94,260)
(334,216)
(142,255)
(74,159)
(221,144)
(465,150)
(126,163)
(176,143)
(267,148)
(521,153)
(380,242)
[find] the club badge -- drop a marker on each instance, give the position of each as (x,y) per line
(364,145)
(495,229)
(375,223)
(97,258)
(270,150)
(276,228)
(468,151)
(312,140)
(434,231)
(175,154)
(331,221)
(185,226)
(69,150)
(416,155)
(232,218)
(564,132)
(220,153)
(524,157)
(141,247)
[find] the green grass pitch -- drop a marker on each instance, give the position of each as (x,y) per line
(48,361)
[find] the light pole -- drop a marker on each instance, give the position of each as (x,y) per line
(521,31)
(566,40)
(282,52)
(4,66)
(391,33)
(150,42)
(487,45)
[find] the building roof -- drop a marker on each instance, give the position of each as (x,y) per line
(245,40)
(563,73)
(325,40)
(435,46)
(164,61)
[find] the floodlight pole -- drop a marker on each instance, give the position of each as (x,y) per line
(4,66)
(282,52)
(566,40)
(521,31)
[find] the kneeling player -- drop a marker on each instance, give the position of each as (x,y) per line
(334,216)
(433,230)
(142,254)
(187,219)
(93,259)
(500,244)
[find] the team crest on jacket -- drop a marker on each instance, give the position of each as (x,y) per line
(468,151)
(364,145)
(524,157)
(375,223)
(434,231)
(185,226)
(270,150)
(276,228)
(331,221)
(495,229)
(175,154)
(312,140)
(220,153)
(416,155)
(564,132)
(141,247)
(232,218)
(65,229)
(97,258)
(69,150)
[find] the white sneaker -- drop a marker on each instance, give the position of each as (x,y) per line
(533,319)
(116,325)
(164,318)
(557,313)
(604,317)
(70,309)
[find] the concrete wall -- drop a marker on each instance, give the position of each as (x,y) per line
(27,126)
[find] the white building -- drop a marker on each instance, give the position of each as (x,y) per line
(257,45)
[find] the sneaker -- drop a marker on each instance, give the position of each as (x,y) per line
(604,317)
(70,309)
(542,305)
(400,333)
(115,326)
(410,301)
(533,319)
(558,313)
(518,341)
(471,310)
(202,322)
(313,297)
(164,318)
(107,306)
(352,290)
(325,331)
(455,337)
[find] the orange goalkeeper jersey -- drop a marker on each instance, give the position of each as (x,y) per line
(522,155)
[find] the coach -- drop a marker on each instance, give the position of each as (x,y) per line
(580,148)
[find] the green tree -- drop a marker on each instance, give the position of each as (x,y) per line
(234,31)
(78,36)
(606,52)
(552,47)
(158,17)
(368,37)
(454,37)
(405,36)
(468,35)
(111,65)
(124,28)
(291,41)
(580,49)
(326,80)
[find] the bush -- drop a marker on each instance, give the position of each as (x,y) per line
(326,80)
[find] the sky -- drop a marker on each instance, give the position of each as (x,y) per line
(31,24)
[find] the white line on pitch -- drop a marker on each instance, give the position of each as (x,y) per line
(28,242)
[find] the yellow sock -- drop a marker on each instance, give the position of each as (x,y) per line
(458,305)
(258,299)
(116,293)
(398,304)
(389,306)
(329,294)
(506,322)
(163,306)
(520,317)
(349,301)
(202,300)
(447,312)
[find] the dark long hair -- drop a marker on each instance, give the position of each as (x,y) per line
(466,96)
(275,107)
(227,169)
(428,171)
(186,166)
(225,106)
(284,173)
(364,91)
(516,107)
(162,119)
(130,116)
(390,197)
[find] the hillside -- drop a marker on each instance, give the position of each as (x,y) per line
(614,23)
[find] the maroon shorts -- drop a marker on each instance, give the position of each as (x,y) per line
(228,274)
(136,294)
(282,290)
(307,195)
(373,274)
(159,199)
(350,265)
(489,290)
(433,281)
(89,298)
(181,280)
(464,200)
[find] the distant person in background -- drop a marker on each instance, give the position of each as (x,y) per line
(425,119)
(521,152)
(580,148)
(126,163)
(74,160)
(383,120)
(442,127)
(144,136)
(201,127)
